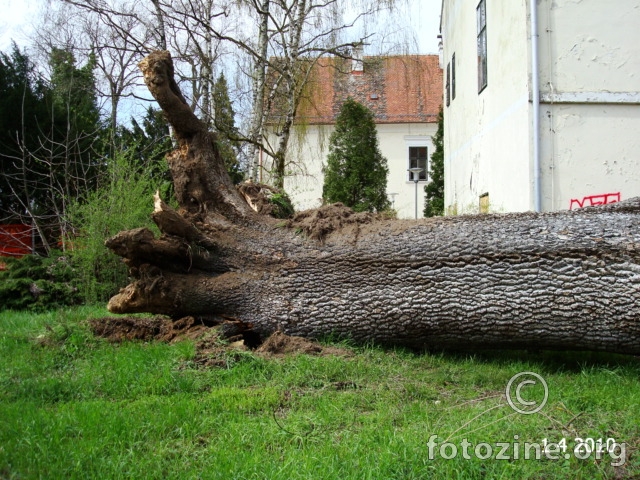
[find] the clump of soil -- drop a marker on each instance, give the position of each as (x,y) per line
(266,200)
(280,344)
(320,222)
(119,329)
(221,345)
(212,351)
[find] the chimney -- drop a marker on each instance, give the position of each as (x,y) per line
(357,64)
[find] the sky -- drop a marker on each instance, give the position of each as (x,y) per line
(17,21)
(20,16)
(424,17)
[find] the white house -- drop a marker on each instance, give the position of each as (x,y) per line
(542,103)
(404,93)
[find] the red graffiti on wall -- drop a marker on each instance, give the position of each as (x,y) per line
(594,200)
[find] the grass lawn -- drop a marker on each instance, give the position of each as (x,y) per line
(75,406)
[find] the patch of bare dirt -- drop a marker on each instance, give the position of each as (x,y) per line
(216,346)
(212,351)
(280,344)
(320,222)
(119,329)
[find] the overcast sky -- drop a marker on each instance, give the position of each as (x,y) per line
(19,17)
(16,21)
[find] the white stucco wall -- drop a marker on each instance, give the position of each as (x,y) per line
(589,150)
(589,61)
(309,148)
(395,141)
(589,46)
(487,146)
(589,66)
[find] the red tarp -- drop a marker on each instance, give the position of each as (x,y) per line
(15,240)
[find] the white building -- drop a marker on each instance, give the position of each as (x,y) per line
(542,103)
(403,92)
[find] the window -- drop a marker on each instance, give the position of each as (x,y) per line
(453,77)
(481,17)
(448,85)
(418,159)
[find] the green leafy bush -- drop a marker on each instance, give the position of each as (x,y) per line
(282,205)
(123,201)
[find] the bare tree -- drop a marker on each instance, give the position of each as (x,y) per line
(283,39)
(46,178)
(292,36)
(116,60)
(147,17)
(258,82)
(113,46)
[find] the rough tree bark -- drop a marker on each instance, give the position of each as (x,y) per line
(564,280)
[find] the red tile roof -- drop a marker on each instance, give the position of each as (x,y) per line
(398,89)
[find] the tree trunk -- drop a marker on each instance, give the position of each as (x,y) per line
(256,129)
(564,280)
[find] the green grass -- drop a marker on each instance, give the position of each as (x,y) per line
(73,406)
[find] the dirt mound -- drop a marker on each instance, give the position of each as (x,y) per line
(118,329)
(279,344)
(266,200)
(320,222)
(217,346)
(214,352)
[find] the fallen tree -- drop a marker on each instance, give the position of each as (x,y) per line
(564,280)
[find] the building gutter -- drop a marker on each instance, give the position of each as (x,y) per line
(535,102)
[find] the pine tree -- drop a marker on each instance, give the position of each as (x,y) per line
(148,141)
(24,114)
(74,92)
(146,145)
(434,190)
(51,141)
(356,172)
(224,121)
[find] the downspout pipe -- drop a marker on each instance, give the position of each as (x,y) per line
(535,100)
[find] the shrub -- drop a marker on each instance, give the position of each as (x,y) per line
(123,201)
(38,283)
(282,205)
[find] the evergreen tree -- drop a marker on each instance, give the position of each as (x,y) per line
(146,145)
(74,91)
(50,141)
(434,190)
(149,141)
(356,172)
(79,136)
(23,116)
(224,121)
